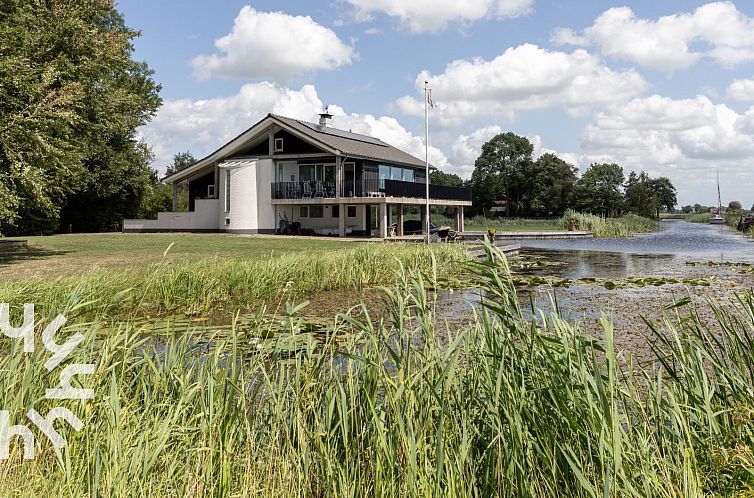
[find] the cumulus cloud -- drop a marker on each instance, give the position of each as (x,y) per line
(422,16)
(201,126)
(273,45)
(523,78)
(741,90)
(680,138)
(388,130)
(717,30)
(466,149)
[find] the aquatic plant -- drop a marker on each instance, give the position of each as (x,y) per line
(623,226)
(403,406)
(217,284)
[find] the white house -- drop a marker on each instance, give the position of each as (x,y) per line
(283,170)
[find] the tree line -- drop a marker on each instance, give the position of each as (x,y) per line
(505,174)
(71,100)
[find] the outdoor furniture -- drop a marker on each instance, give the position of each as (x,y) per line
(446,234)
(318,190)
(291,190)
(307,190)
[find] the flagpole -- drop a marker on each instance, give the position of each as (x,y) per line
(426,152)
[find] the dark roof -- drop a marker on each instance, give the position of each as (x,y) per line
(351,144)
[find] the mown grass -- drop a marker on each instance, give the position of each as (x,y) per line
(218,284)
(404,407)
(62,255)
(623,226)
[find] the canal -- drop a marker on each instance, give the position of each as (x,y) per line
(629,279)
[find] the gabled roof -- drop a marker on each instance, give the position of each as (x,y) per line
(352,144)
(331,140)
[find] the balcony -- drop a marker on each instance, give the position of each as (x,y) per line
(395,188)
(303,190)
(368,188)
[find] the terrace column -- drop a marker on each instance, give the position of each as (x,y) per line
(338,176)
(342,219)
(175,197)
(461,227)
(383,219)
(399,228)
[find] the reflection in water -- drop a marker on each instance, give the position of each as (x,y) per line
(675,237)
(660,254)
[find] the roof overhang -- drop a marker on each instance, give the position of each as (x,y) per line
(239,142)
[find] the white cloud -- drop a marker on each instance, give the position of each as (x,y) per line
(273,45)
(683,139)
(522,78)
(716,30)
(388,130)
(202,126)
(422,16)
(466,149)
(741,90)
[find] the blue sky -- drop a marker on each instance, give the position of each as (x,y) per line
(667,87)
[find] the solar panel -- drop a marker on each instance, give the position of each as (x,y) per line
(344,134)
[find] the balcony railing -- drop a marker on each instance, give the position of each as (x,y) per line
(303,190)
(367,188)
(395,188)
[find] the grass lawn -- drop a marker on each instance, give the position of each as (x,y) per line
(67,255)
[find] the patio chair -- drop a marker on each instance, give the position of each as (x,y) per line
(318,190)
(307,190)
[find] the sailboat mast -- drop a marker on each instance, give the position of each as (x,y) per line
(719,200)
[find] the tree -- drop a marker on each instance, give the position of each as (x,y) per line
(664,193)
(71,100)
(554,185)
(598,191)
(183,160)
(687,209)
(735,206)
(503,171)
(639,198)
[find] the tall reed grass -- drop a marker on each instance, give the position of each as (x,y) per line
(217,284)
(623,226)
(405,407)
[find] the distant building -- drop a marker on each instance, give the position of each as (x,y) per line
(327,180)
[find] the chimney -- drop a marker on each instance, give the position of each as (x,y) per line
(325,119)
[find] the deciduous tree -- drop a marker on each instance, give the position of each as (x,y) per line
(71,99)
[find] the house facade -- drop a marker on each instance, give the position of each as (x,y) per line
(283,171)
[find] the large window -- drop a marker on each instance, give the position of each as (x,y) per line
(384,174)
(316,211)
(387,172)
(306,172)
(316,172)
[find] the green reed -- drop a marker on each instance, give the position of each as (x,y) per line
(405,406)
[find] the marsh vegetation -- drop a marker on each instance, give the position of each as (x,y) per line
(400,405)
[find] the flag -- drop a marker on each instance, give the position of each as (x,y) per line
(429,98)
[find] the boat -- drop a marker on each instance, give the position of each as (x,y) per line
(716,217)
